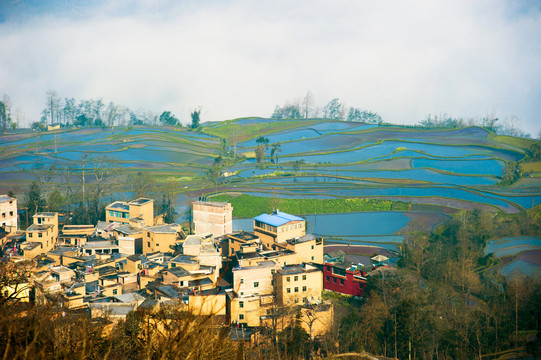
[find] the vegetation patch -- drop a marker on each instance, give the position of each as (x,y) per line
(247,206)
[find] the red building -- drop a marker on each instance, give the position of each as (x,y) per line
(344,277)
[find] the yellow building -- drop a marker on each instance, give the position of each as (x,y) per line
(208,302)
(139,212)
(44,231)
(298,284)
(240,239)
(277,228)
(161,238)
(309,248)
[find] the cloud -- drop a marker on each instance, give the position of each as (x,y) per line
(241,58)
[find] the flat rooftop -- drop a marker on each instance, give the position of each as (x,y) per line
(45,214)
(5,198)
(212,203)
(128,229)
(140,201)
(184,259)
(304,238)
(163,229)
(244,235)
(119,205)
(192,240)
(39,227)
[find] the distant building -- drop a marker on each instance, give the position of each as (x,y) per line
(44,231)
(8,213)
(298,284)
(344,277)
(278,227)
(161,238)
(138,213)
(212,217)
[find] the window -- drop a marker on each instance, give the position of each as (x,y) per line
(296,289)
(288,290)
(312,247)
(273,271)
(40,235)
(11,213)
(304,277)
(242,281)
(241,316)
(304,288)
(334,280)
(256,284)
(148,243)
(327,278)
(296,300)
(148,234)
(241,304)
(296,278)
(304,300)
(29,234)
(312,258)
(288,279)
(341,281)
(328,268)
(3,215)
(173,265)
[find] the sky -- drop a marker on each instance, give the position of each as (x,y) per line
(237,58)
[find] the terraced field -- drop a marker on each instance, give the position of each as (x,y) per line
(317,159)
(518,255)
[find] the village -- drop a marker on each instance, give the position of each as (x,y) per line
(246,280)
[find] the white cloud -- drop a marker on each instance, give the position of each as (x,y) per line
(240,58)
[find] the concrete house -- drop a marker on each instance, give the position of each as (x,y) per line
(278,227)
(139,212)
(212,217)
(298,284)
(8,213)
(44,231)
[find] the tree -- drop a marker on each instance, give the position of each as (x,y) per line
(102,168)
(34,200)
(53,105)
(307,104)
(333,110)
(141,184)
(275,149)
(167,118)
(195,118)
(261,148)
(4,117)
(358,115)
(167,210)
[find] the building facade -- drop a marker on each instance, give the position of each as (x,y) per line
(212,217)
(345,278)
(8,213)
(139,212)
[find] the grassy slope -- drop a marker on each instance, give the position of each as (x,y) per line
(243,132)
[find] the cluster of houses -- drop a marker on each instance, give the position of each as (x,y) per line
(246,279)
